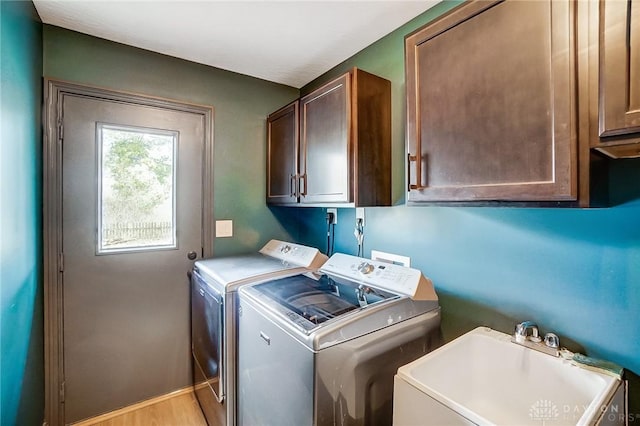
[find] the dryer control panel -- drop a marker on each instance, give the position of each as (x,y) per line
(294,254)
(395,278)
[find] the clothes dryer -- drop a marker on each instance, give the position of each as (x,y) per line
(214,286)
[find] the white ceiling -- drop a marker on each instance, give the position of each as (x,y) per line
(288,42)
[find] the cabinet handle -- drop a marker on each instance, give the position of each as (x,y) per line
(417,172)
(265,338)
(292,185)
(303,184)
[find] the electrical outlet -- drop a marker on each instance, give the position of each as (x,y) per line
(360,215)
(334,212)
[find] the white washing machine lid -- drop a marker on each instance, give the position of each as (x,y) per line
(277,258)
(231,271)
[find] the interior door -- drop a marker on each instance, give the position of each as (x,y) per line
(132,225)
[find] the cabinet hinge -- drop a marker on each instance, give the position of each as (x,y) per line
(61,262)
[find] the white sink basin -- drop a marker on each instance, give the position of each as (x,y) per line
(485,378)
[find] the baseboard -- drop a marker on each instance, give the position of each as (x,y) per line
(133,407)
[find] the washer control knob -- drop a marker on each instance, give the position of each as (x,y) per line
(285,249)
(365,268)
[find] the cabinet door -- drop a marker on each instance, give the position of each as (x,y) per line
(490,104)
(282,155)
(325,143)
(619,67)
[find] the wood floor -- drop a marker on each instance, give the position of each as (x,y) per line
(179,410)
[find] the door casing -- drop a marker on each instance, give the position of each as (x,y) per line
(53,259)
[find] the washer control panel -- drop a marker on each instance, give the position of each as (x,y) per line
(387,276)
(294,254)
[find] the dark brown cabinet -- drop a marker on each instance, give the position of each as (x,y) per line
(324,143)
(282,155)
(342,156)
(613,32)
(491,98)
(620,67)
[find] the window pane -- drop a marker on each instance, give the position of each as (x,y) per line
(136,181)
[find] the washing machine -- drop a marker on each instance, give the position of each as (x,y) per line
(214,286)
(324,350)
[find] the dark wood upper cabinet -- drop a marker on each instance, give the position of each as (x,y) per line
(612,40)
(491,94)
(282,155)
(608,91)
(325,142)
(619,67)
(344,149)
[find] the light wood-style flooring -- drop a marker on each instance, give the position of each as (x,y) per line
(181,409)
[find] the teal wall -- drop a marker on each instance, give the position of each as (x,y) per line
(241,105)
(574,271)
(21,330)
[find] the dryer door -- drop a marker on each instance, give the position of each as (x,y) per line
(207,328)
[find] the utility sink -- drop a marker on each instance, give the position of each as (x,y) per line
(484,378)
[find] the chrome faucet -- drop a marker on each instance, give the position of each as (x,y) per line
(521,332)
(550,346)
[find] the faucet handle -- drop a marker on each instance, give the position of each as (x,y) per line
(551,340)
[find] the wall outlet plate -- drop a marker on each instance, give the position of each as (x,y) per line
(335,215)
(360,214)
(224,228)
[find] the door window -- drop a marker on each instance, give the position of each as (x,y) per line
(136,189)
